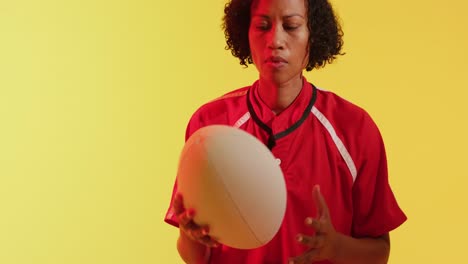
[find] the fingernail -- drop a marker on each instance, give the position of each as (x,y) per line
(191,212)
(205,231)
(291,262)
(299,238)
(308,221)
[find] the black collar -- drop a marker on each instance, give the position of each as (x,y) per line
(273,137)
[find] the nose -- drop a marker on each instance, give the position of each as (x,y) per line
(276,37)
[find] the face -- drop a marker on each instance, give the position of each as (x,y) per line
(279,37)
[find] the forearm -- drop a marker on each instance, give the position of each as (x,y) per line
(362,250)
(191,251)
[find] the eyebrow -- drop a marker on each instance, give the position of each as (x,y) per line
(287,16)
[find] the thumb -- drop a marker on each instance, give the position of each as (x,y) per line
(320,202)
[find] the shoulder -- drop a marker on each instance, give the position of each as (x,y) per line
(353,125)
(344,115)
(353,131)
(221,110)
(232,95)
(222,104)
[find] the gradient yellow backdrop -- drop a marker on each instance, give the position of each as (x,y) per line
(95,96)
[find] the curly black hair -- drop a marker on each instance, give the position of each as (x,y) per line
(325,39)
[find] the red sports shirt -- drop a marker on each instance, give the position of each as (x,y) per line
(319,139)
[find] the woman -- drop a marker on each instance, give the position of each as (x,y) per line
(340,207)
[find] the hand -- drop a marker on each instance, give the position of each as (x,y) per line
(189,227)
(323,245)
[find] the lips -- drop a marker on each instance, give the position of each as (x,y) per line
(276,62)
(276,59)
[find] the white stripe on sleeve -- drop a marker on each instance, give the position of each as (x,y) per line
(339,144)
(242,120)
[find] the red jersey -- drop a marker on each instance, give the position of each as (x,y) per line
(319,139)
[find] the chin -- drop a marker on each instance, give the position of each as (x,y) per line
(276,77)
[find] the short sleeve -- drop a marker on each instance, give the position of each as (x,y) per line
(376,211)
(170,217)
(194,124)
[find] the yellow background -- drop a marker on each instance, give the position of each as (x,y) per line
(95,96)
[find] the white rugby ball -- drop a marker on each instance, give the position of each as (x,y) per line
(234,184)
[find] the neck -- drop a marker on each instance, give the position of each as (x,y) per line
(279,96)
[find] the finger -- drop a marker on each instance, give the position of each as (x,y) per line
(193,233)
(314,223)
(208,241)
(320,202)
(205,238)
(186,218)
(199,231)
(311,241)
(178,204)
(305,258)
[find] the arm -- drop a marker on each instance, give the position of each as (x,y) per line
(194,243)
(327,244)
(362,250)
(191,251)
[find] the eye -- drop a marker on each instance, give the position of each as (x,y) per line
(262,26)
(290,27)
